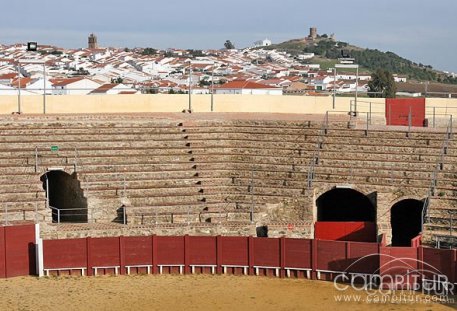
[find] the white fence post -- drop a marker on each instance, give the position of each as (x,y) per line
(39,251)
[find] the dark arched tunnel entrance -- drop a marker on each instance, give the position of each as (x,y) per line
(345,214)
(406,221)
(65,196)
(345,204)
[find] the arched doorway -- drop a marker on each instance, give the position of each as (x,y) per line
(406,221)
(65,196)
(345,214)
(345,204)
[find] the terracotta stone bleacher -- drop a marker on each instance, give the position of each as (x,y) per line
(183,169)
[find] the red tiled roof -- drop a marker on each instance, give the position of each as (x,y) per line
(65,81)
(24,82)
(104,88)
(5,76)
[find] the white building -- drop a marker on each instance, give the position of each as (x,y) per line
(352,76)
(113,89)
(398,78)
(264,42)
(200,91)
(73,86)
(38,86)
(305,56)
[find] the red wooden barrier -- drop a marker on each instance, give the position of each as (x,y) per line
(266,255)
(396,264)
(345,231)
(202,253)
(104,255)
(170,251)
(438,262)
(62,254)
(2,253)
(234,252)
(202,250)
(19,250)
(138,250)
(362,257)
(331,255)
(137,253)
(296,256)
(266,252)
(298,253)
(263,255)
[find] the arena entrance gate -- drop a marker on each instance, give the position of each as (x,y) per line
(345,214)
(406,221)
(64,196)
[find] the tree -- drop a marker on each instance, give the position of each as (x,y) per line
(229,45)
(382,82)
(196,53)
(149,51)
(117,80)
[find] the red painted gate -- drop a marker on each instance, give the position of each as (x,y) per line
(17,251)
(345,231)
(398,110)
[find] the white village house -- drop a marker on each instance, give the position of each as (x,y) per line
(73,86)
(244,87)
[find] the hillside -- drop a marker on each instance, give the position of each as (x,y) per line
(328,51)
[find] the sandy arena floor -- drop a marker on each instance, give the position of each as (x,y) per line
(194,292)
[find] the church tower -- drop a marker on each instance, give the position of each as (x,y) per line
(93,44)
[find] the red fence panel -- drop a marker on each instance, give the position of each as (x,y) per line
(137,250)
(68,253)
(323,255)
(396,264)
(331,255)
(202,250)
(398,109)
(438,262)
(298,253)
(234,251)
(170,250)
(104,252)
(20,250)
(2,253)
(345,231)
(267,252)
(363,257)
(455,266)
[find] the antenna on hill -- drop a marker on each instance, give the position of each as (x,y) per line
(346,58)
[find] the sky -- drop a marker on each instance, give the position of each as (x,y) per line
(420,30)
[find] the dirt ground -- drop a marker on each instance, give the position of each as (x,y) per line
(192,292)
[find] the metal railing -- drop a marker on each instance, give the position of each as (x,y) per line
(58,214)
(251,191)
(438,166)
(319,145)
(315,158)
(368,107)
(7,212)
(432,114)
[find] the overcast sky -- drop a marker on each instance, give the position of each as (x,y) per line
(421,30)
